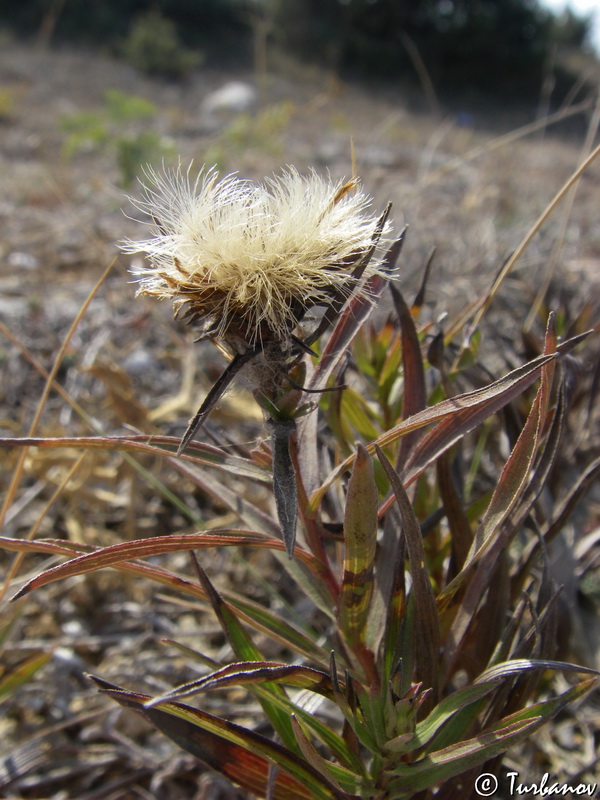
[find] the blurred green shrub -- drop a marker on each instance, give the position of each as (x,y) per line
(120,127)
(8,96)
(154,47)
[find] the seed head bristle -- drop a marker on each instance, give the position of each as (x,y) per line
(248,259)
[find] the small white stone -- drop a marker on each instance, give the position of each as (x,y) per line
(21,260)
(234,97)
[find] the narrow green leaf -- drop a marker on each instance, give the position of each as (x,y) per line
(190,652)
(355,732)
(491,742)
(246,650)
(397,611)
(392,373)
(444,764)
(339,778)
(271,624)
(310,753)
(356,412)
(360,539)
(336,745)
(518,666)
(447,708)
(14,678)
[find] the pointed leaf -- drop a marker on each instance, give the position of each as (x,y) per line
(455,416)
(216,392)
(420,296)
(198,453)
(489,540)
(253,614)
(116,554)
(310,753)
(427,643)
(246,672)
(360,539)
(245,510)
(350,320)
(447,708)
(284,480)
(241,755)
(339,778)
(517,468)
(340,297)
(583,484)
(332,741)
(415,397)
(461,535)
(246,650)
(13,678)
(355,412)
(518,666)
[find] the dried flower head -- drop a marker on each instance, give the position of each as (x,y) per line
(246,261)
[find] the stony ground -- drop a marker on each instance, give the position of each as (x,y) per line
(459,187)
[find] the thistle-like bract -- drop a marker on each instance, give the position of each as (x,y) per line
(247,260)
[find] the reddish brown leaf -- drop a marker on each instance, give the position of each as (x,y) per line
(455,416)
(144,548)
(415,395)
(458,522)
(251,613)
(427,633)
(244,757)
(490,537)
(247,672)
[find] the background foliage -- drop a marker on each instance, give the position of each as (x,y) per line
(490,45)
